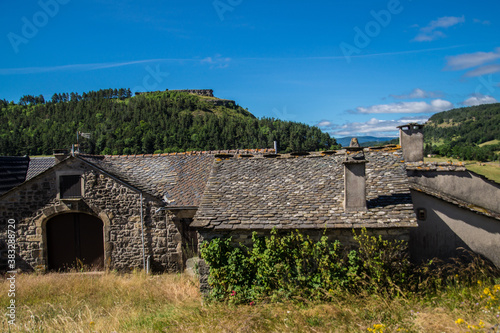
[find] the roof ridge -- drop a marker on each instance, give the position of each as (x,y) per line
(436,166)
(257,151)
(188,153)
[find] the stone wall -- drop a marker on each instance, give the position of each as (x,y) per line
(344,235)
(33,203)
(200,92)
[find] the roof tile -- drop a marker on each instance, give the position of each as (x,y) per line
(178,179)
(303,192)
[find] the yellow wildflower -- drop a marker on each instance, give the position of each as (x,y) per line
(377,328)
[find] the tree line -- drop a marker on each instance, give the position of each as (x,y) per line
(459,132)
(159,122)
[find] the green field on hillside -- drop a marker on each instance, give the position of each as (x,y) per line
(490,170)
(468,133)
(492,142)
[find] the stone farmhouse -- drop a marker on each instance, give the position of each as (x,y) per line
(152,211)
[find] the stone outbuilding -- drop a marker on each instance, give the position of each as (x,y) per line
(152,211)
(106,212)
(125,212)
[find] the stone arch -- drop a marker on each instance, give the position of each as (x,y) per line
(59,209)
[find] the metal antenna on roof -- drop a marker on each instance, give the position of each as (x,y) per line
(83,135)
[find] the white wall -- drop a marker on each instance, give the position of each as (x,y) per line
(448,227)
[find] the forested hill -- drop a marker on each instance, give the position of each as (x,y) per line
(471,133)
(159,122)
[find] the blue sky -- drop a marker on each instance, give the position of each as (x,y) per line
(353,68)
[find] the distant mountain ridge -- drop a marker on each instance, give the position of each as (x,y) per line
(345,141)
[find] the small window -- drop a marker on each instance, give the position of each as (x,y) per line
(70,186)
(421,214)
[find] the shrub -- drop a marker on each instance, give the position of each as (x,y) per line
(292,265)
(464,270)
(384,264)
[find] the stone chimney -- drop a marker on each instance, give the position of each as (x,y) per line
(354,178)
(411,139)
(60,154)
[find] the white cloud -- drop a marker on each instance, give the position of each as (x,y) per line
(488,69)
(324,123)
(445,22)
(419,93)
(436,105)
(374,127)
(479,99)
(429,36)
(485,22)
(84,67)
(469,60)
(217,62)
(73,67)
(431,31)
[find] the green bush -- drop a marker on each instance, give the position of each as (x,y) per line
(292,265)
(384,264)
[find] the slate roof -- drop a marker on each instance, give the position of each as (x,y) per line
(304,192)
(179,180)
(38,165)
(13,171)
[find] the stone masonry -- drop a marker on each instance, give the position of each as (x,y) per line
(32,204)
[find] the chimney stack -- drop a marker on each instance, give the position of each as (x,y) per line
(60,154)
(354,178)
(411,139)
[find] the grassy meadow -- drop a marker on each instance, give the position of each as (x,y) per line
(490,170)
(137,302)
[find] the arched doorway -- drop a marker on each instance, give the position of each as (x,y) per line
(75,239)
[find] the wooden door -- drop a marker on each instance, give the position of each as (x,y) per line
(74,240)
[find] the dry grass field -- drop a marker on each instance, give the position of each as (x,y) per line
(137,302)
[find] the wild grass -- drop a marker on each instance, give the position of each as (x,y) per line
(171,303)
(489,170)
